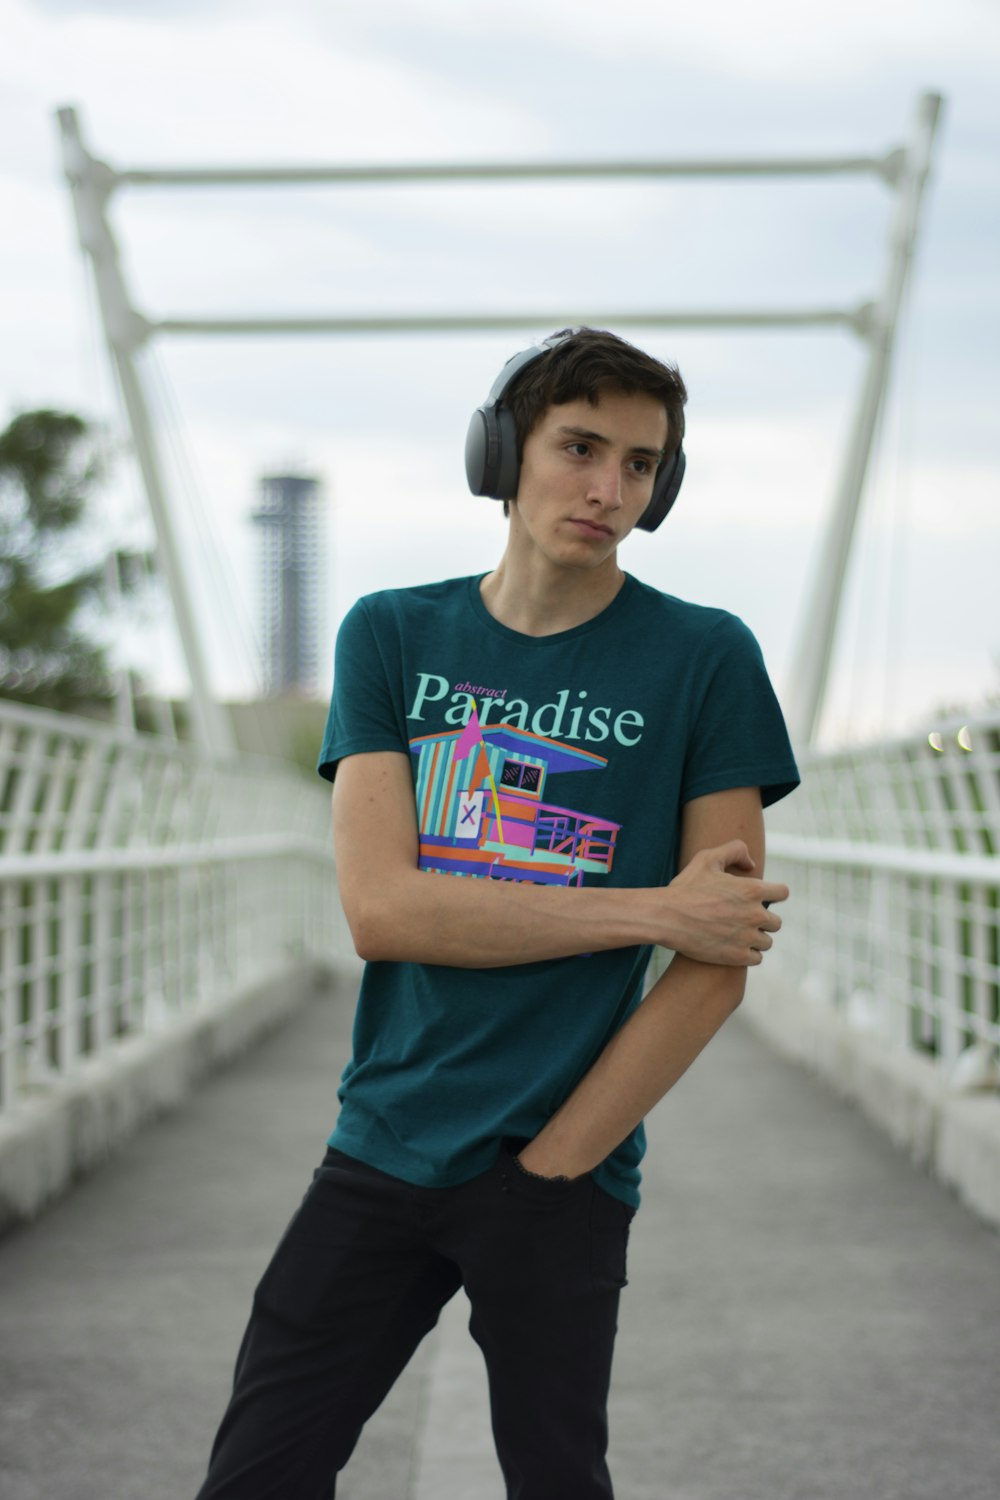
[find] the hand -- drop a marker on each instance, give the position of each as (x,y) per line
(718,916)
(536,1161)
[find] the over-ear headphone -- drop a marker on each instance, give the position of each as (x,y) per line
(492,464)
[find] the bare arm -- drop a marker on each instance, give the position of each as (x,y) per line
(397,912)
(660,1040)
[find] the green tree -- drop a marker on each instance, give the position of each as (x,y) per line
(52,571)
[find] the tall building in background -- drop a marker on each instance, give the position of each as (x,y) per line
(292,574)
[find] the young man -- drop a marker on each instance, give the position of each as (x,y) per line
(569,740)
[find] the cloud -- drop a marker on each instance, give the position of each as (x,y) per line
(384,419)
(958,500)
(159,9)
(777,472)
(254,87)
(764,41)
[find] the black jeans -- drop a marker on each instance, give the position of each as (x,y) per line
(360,1277)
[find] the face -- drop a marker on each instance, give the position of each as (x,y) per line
(586,477)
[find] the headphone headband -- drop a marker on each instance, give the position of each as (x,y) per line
(517,363)
(492,464)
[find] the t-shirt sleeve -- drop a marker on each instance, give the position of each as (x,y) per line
(363,715)
(738,735)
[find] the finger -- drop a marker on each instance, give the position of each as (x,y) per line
(773,892)
(735,853)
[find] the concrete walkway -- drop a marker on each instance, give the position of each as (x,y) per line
(808,1318)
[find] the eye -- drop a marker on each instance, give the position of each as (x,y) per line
(641,466)
(579,449)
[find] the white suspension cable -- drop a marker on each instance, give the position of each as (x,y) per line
(109,409)
(241,632)
(866,594)
(902,504)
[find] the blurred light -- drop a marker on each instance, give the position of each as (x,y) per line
(964,737)
(935,741)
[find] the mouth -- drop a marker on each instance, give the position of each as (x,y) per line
(591,528)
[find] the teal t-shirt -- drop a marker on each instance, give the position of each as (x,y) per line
(560,759)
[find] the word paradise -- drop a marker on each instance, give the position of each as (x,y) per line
(558,720)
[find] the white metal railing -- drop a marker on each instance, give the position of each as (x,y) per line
(140,879)
(892,853)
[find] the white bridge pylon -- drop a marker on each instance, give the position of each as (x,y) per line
(904,170)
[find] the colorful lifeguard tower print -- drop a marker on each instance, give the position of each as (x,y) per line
(481,812)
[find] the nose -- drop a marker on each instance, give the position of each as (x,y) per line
(606,485)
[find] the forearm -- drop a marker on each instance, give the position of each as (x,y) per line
(399,913)
(677,1019)
(418,917)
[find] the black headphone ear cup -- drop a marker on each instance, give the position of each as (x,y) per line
(665,491)
(492,466)
(477,447)
(508,471)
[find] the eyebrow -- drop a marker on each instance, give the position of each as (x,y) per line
(584,434)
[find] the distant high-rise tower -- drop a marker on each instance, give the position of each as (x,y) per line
(292,569)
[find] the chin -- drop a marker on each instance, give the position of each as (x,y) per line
(586,564)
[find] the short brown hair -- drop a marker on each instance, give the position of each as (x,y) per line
(585,363)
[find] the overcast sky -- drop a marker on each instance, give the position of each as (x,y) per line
(382,420)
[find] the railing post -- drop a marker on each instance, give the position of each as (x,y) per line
(8,1001)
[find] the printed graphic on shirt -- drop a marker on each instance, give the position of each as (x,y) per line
(481,812)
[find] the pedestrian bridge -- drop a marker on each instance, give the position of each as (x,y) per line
(815,1287)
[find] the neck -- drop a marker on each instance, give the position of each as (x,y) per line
(535,598)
